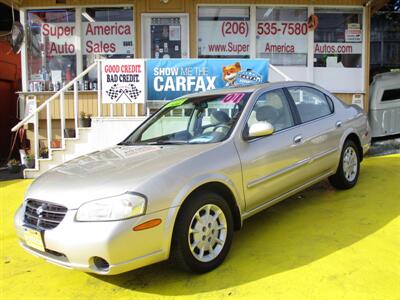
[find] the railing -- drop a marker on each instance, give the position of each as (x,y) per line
(285,77)
(33,117)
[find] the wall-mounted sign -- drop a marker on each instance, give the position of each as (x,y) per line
(337,48)
(169,79)
(353,35)
(282,37)
(358,99)
(224,37)
(98,38)
(353,26)
(123,81)
(30,107)
(108,37)
(59,38)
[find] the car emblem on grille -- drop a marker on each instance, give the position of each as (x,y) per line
(39,211)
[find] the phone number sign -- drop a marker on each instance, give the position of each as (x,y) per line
(233,37)
(280,37)
(224,38)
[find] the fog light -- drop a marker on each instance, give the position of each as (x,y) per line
(101,263)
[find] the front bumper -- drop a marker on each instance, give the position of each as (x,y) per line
(74,244)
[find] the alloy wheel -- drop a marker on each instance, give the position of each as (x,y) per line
(207,233)
(350,162)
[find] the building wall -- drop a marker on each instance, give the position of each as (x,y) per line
(10,81)
(190,7)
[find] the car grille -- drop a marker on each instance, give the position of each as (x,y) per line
(43,215)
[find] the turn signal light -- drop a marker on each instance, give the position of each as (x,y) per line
(147,225)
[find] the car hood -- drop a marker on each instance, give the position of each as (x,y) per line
(109,172)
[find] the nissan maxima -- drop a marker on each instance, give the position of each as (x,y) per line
(181,183)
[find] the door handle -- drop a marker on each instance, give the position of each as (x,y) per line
(338,124)
(297,139)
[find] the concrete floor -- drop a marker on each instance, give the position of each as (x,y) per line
(320,244)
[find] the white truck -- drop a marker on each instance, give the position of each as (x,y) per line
(384,106)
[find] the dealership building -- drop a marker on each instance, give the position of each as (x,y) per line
(334,55)
(322,41)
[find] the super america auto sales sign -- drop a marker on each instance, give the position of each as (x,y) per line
(98,38)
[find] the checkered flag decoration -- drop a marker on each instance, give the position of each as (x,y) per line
(130,91)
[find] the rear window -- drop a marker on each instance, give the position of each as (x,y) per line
(390,95)
(311,103)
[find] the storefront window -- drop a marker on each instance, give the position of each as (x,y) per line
(106,33)
(338,38)
(282,35)
(224,32)
(51,48)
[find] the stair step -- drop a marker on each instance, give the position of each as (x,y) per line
(81,143)
(45,159)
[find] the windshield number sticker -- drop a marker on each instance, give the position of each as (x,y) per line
(233,98)
(175,103)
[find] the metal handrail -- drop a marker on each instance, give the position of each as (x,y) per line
(55,96)
(287,78)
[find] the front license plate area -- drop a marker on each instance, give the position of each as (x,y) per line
(34,239)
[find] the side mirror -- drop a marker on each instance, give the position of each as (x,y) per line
(260,129)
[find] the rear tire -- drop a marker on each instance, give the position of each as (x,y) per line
(348,171)
(203,233)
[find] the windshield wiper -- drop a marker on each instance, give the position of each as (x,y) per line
(125,144)
(153,143)
(166,143)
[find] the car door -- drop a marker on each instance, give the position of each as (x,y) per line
(320,125)
(274,164)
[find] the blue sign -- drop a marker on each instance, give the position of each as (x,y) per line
(168,79)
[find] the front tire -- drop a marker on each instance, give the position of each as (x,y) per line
(203,232)
(348,171)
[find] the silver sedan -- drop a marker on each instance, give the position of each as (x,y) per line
(181,183)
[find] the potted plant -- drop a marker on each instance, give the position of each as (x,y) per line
(13,166)
(44,153)
(55,144)
(85,119)
(30,161)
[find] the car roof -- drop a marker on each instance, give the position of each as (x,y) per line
(254,88)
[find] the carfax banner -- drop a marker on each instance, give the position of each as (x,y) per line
(172,78)
(123,81)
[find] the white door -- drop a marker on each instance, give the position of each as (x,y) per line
(165,36)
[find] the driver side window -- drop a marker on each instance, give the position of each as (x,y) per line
(274,108)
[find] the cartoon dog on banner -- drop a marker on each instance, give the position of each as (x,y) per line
(230,73)
(234,76)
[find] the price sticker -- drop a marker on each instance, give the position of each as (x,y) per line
(233,98)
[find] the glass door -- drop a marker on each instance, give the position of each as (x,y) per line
(165,36)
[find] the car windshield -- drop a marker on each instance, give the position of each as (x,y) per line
(195,120)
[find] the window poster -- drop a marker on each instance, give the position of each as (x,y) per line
(166,37)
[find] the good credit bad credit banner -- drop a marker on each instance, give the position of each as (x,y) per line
(123,81)
(170,79)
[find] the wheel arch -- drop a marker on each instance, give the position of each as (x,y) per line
(222,190)
(354,137)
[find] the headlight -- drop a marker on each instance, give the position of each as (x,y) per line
(114,208)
